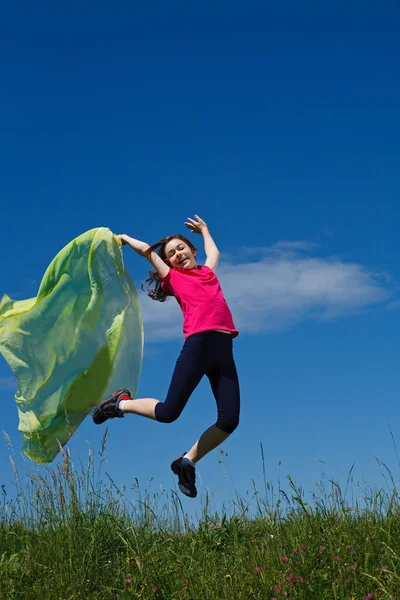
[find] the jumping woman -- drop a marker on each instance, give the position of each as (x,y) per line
(208,331)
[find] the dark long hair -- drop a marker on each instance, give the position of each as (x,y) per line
(153,283)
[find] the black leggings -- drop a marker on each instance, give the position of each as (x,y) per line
(206,353)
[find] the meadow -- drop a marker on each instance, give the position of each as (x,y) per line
(68,533)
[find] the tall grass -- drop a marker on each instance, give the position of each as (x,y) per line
(69,533)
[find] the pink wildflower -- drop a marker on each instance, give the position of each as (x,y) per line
(369,597)
(352,552)
(294,551)
(277,588)
(127,581)
(304,548)
(155,590)
(322,548)
(284,559)
(384,569)
(292,576)
(257,569)
(336,559)
(301,578)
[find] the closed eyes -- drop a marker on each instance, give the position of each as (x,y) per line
(172,252)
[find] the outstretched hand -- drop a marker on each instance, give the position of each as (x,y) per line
(123,237)
(196,225)
(136,245)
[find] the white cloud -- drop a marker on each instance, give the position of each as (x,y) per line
(279,287)
(162,320)
(394,305)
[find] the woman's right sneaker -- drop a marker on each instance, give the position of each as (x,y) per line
(186,477)
(109,409)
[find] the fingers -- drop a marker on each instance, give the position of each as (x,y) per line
(193,228)
(195,225)
(199,221)
(122,237)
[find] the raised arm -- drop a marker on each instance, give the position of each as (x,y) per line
(197,225)
(141,248)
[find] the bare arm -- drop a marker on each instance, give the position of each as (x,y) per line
(211,250)
(197,225)
(141,248)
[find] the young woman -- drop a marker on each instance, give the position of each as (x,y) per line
(208,330)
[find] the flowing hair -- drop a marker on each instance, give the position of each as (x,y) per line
(153,283)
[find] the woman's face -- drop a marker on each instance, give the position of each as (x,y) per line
(179,255)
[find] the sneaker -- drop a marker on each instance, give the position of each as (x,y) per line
(108,409)
(187,477)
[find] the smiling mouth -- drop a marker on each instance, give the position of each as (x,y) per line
(181,262)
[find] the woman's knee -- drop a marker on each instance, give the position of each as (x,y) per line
(164,414)
(228,424)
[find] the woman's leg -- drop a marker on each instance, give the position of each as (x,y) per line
(210,439)
(225,386)
(145,407)
(189,369)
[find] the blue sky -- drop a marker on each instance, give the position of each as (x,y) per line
(278,124)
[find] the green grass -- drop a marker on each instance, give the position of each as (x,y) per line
(69,534)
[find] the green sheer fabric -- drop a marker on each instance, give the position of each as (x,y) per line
(80,339)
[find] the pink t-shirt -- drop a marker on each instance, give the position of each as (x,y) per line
(200,296)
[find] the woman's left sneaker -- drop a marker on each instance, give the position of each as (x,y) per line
(186,477)
(109,409)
